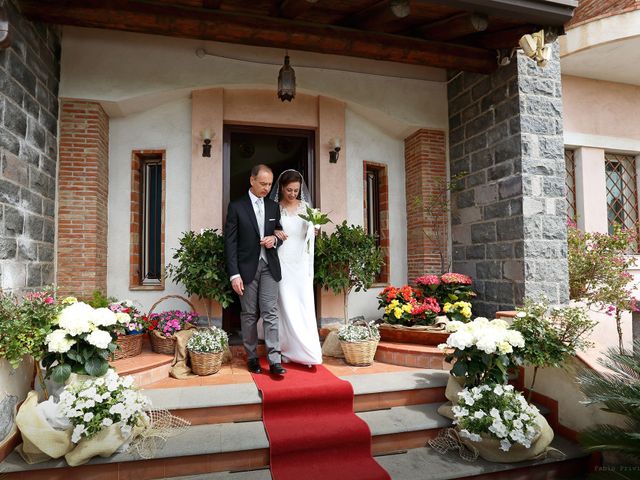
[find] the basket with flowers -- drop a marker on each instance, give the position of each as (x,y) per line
(163,325)
(206,348)
(129,329)
(359,341)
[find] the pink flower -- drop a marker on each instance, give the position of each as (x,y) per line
(428,280)
(456,278)
(49,300)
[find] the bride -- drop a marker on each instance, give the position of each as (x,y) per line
(299,340)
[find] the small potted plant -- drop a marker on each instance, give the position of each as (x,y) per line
(163,325)
(499,424)
(206,348)
(359,341)
(129,329)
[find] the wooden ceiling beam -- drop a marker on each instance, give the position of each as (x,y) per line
(502,38)
(379,14)
(455,26)
(211,4)
(145,16)
(295,8)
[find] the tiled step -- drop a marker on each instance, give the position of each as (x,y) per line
(241,402)
(426,464)
(146,368)
(411,355)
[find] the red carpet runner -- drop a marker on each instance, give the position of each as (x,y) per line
(313,432)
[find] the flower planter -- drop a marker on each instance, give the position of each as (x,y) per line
(204,364)
(416,335)
(359,354)
(128,346)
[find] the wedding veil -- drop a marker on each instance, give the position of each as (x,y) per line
(305,196)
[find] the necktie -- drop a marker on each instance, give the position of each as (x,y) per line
(260,219)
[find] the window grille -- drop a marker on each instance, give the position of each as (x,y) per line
(570,169)
(622,199)
(151,258)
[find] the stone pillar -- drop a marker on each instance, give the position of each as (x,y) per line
(424,160)
(29,76)
(82,198)
(509,220)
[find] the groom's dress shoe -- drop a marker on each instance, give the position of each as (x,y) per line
(276,369)
(254,365)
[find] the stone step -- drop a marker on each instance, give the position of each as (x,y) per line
(242,402)
(411,355)
(426,464)
(229,446)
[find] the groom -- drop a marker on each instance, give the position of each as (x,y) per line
(252,262)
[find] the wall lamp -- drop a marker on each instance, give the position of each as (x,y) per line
(334,153)
(207,137)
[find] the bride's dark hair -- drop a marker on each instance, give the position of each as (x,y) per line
(289,177)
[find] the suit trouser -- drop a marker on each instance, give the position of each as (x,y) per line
(261,298)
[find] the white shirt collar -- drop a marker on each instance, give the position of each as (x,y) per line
(254,198)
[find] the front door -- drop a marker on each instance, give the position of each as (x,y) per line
(280,149)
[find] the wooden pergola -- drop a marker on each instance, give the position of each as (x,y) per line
(452,34)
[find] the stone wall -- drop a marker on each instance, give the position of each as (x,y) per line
(509,220)
(29,76)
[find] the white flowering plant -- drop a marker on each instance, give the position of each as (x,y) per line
(354,333)
(208,340)
(101,402)
(496,411)
(483,350)
(82,343)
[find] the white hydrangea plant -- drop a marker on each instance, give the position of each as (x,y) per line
(496,411)
(100,402)
(353,333)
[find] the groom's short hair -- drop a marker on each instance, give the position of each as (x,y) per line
(255,171)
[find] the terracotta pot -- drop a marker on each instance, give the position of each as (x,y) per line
(399,334)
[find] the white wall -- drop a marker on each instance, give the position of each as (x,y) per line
(367,142)
(167,127)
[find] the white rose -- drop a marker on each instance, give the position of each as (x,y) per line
(99,339)
(76,318)
(103,317)
(59,342)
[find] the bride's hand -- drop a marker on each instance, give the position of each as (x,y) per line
(281,235)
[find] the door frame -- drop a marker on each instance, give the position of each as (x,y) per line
(230,128)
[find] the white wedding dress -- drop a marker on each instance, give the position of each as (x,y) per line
(299,340)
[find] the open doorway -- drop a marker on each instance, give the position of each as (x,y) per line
(280,149)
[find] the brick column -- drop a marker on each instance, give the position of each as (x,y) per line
(425,160)
(82,198)
(509,222)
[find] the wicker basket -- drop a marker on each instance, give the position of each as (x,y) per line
(128,346)
(359,354)
(205,363)
(160,343)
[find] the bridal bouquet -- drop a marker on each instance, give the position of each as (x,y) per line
(316,218)
(101,402)
(497,412)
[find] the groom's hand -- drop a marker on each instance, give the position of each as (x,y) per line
(238,285)
(268,242)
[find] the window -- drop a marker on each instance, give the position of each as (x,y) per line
(147,220)
(376,210)
(570,168)
(622,200)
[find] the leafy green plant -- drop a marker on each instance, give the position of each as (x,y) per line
(551,335)
(618,391)
(25,323)
(100,300)
(348,259)
(200,267)
(598,270)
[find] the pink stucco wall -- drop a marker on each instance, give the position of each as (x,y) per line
(212,108)
(600,108)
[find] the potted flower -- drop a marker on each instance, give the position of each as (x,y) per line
(81,343)
(92,417)
(459,311)
(206,348)
(409,316)
(447,288)
(163,325)
(499,424)
(359,341)
(129,329)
